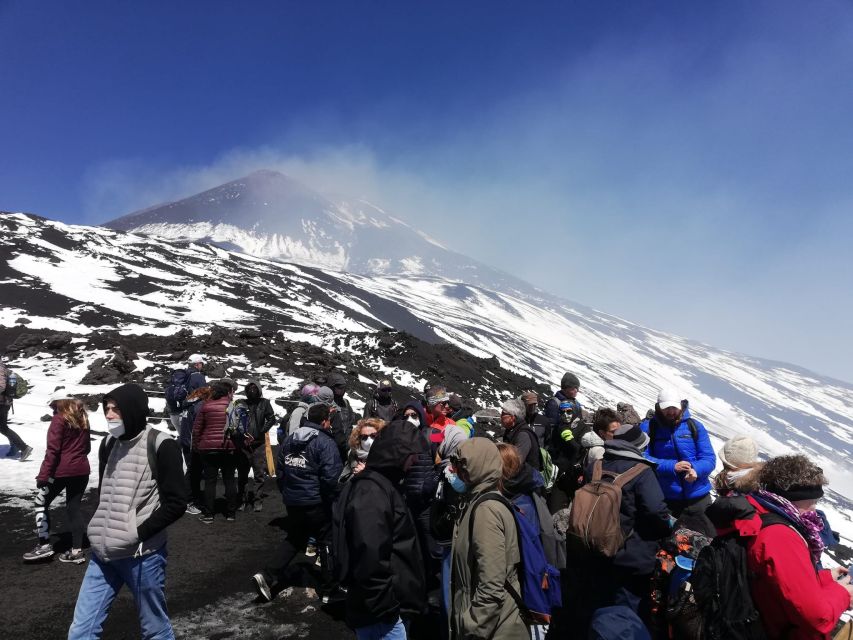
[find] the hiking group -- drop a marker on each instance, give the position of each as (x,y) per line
(440,515)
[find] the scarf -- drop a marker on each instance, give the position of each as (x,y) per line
(809,524)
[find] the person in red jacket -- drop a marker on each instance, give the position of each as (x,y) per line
(797,600)
(217,450)
(65,468)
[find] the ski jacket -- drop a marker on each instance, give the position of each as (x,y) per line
(420,481)
(308,467)
(67,451)
(669,446)
(209,426)
(261,414)
(796,601)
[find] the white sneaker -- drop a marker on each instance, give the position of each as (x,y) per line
(192,509)
(41,552)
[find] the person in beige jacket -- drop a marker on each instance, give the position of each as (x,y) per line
(485,555)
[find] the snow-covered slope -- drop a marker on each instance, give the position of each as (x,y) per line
(86,280)
(270,215)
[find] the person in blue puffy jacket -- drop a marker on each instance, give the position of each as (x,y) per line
(682,450)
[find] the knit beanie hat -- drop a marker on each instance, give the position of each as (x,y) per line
(738,452)
(570,381)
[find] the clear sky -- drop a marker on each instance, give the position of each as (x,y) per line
(685,165)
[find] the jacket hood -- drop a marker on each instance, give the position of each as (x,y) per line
(305,433)
(624,450)
(416,406)
(132,402)
(526,481)
(482,461)
(591,439)
(726,510)
(393,446)
(257,384)
(454,436)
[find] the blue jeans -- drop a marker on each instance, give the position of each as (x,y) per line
(146,579)
(382,631)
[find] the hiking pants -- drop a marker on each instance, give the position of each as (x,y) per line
(74,488)
(254,458)
(214,462)
(302,523)
(195,469)
(14,439)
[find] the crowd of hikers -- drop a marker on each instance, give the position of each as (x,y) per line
(505,523)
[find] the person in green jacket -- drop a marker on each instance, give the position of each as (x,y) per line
(485,555)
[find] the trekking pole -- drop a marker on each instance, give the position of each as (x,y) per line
(270,463)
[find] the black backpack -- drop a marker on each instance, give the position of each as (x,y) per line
(720,582)
(176,389)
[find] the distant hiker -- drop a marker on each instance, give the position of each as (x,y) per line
(307,470)
(141,492)
(540,424)
(605,422)
(685,459)
(360,441)
(217,451)
(192,457)
(382,405)
(438,402)
(181,383)
(384,575)
(17,447)
(517,432)
(566,416)
(252,455)
(486,556)
(65,468)
(741,466)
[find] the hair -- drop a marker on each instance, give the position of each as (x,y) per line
(202,393)
(723,482)
(784,472)
(318,412)
(511,462)
(603,418)
(73,411)
(219,389)
(375,423)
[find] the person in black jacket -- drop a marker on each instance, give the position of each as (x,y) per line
(382,405)
(307,470)
(253,454)
(539,423)
(517,432)
(385,577)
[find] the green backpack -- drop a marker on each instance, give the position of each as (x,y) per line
(22,387)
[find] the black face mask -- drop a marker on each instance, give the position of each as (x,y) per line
(253,393)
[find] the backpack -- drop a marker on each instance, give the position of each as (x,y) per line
(176,389)
(16,385)
(721,586)
(236,423)
(594,522)
(539,581)
(673,603)
(155,439)
(549,471)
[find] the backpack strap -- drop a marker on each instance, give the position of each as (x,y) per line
(155,439)
(596,470)
(624,478)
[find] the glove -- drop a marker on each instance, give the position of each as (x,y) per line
(41,484)
(567,435)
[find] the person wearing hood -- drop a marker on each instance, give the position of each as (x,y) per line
(385,577)
(518,433)
(65,468)
(360,441)
(382,405)
(217,451)
(136,503)
(605,422)
(485,552)
(307,470)
(253,454)
(682,450)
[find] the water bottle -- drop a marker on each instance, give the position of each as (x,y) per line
(13,382)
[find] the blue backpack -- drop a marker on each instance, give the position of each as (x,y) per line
(540,581)
(237,423)
(176,389)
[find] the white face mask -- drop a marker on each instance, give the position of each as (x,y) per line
(366,444)
(414,420)
(116,428)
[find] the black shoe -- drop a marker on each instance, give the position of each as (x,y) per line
(261,586)
(205,518)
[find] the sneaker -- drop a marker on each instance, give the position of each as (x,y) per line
(206,519)
(230,518)
(311,550)
(26,453)
(259,506)
(73,558)
(262,587)
(41,552)
(193,510)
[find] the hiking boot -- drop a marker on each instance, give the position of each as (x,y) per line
(41,552)
(205,518)
(73,557)
(26,453)
(311,550)
(261,586)
(193,510)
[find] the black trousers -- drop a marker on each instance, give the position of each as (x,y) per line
(214,462)
(303,523)
(253,458)
(14,439)
(74,488)
(195,470)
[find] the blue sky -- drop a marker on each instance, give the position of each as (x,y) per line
(685,165)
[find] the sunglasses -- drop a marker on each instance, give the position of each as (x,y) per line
(365,436)
(410,414)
